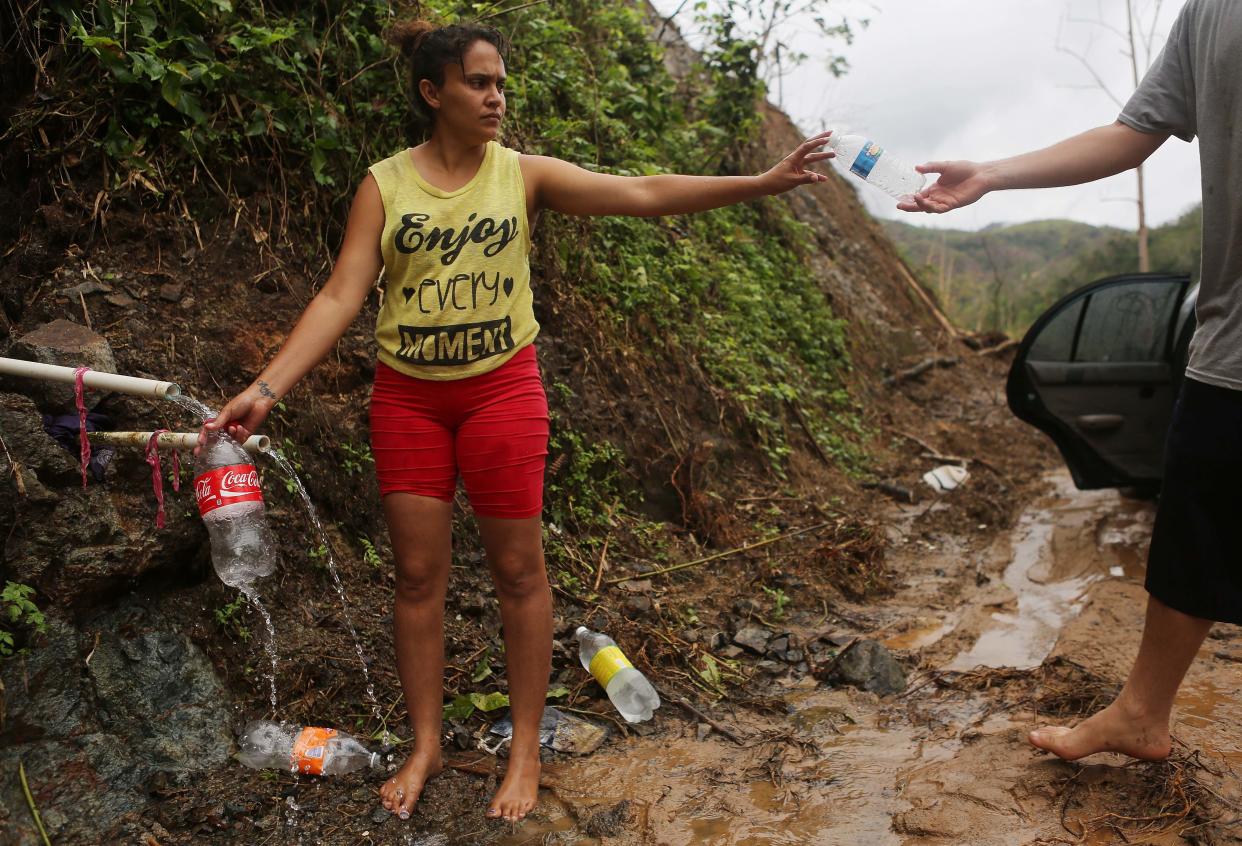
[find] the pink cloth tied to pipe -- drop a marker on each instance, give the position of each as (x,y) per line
(84,441)
(157,478)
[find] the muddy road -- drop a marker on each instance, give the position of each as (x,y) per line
(1037,624)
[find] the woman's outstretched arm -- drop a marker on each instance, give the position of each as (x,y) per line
(322,323)
(563,187)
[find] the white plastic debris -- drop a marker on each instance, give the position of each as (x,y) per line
(557,730)
(946,477)
(1116,572)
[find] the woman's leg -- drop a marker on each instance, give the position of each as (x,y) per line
(515,557)
(420,528)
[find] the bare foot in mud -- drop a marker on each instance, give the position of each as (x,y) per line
(519,792)
(400,792)
(1110,730)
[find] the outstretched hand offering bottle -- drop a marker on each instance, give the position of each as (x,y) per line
(226,487)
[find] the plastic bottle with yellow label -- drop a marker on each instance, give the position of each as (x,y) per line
(630,692)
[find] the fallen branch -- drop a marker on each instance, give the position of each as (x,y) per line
(715,725)
(826,671)
(699,561)
(810,436)
(489,765)
(34,812)
(999,348)
(897,492)
(921,368)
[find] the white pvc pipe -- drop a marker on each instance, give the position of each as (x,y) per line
(94,379)
(172,440)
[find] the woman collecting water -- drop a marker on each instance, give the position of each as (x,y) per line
(457,386)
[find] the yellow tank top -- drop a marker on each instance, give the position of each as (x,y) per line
(458,300)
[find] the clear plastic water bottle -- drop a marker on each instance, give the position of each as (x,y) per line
(630,692)
(874,165)
(226,487)
(309,750)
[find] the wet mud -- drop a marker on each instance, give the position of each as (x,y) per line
(946,761)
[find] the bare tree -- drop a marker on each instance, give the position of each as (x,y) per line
(773,26)
(1134,37)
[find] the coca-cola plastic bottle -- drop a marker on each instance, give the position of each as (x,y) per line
(310,750)
(226,486)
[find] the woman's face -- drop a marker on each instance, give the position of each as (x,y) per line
(471,102)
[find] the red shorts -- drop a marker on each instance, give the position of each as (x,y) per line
(492,428)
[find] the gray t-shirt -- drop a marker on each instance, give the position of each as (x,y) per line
(1195,88)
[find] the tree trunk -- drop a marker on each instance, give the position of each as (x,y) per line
(1143,257)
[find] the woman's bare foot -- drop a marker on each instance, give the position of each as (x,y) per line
(400,792)
(519,792)
(1114,729)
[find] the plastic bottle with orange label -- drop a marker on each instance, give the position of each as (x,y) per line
(309,750)
(630,692)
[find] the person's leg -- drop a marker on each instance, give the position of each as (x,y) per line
(502,448)
(420,528)
(1137,722)
(515,557)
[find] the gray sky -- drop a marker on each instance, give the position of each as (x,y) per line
(941,79)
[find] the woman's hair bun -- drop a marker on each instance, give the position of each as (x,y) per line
(408,36)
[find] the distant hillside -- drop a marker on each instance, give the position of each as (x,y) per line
(1002,277)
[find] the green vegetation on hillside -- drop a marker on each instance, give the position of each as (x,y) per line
(1003,277)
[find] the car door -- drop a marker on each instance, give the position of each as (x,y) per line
(1098,372)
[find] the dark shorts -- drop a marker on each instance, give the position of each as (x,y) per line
(1195,564)
(491,429)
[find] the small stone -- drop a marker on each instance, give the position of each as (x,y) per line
(64,343)
(718,640)
(792,656)
(868,665)
(90,286)
(171,292)
(637,605)
(746,607)
(702,731)
(778,645)
(730,651)
(754,638)
(643,729)
(771,667)
(121,300)
(636,585)
(380,816)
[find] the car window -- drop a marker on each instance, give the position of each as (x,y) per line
(1056,341)
(1128,322)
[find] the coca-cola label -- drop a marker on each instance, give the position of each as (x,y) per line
(226,486)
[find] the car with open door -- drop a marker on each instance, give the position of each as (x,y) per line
(1099,372)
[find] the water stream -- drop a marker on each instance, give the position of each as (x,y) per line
(287,468)
(201,411)
(270,644)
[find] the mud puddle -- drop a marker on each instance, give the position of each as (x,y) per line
(1063,543)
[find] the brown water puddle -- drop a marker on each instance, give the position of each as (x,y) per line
(1063,543)
(714,793)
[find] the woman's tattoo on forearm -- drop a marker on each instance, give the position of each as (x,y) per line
(265,390)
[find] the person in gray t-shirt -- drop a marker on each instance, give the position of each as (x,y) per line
(1194,572)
